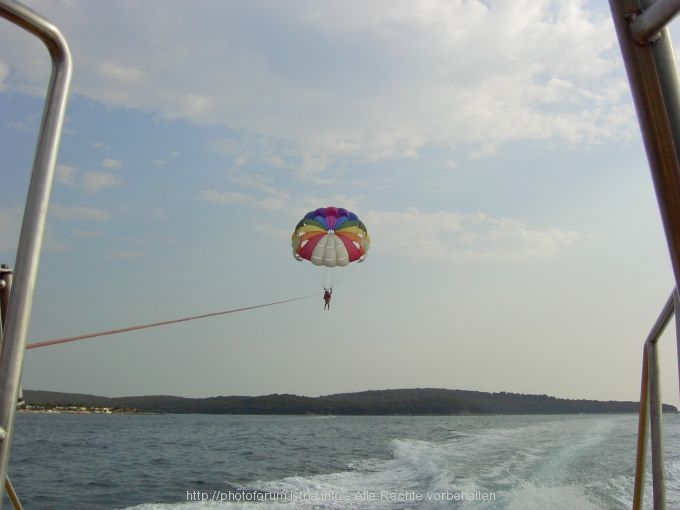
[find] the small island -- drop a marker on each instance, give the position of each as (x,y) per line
(418,401)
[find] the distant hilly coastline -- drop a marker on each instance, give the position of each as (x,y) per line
(420,401)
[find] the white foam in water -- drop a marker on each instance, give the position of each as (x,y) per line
(203,505)
(557,464)
(416,476)
(620,490)
(531,497)
(423,462)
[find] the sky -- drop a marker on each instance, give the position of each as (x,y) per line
(490,147)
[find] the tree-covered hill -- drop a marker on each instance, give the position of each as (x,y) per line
(421,401)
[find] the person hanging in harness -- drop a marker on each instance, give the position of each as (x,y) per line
(327,298)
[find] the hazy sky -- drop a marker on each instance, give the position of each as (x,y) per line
(490,147)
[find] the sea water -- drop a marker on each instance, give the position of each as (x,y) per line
(183,462)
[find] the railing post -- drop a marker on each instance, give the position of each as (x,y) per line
(656,426)
(650,410)
(643,419)
(35,213)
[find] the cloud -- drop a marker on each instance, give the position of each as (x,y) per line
(27,123)
(260,183)
(240,161)
(248,147)
(483,150)
(230,197)
(271,232)
(78,213)
(111,163)
(94,181)
(120,74)
(90,181)
(271,198)
(66,174)
(226,197)
(333,82)
(463,238)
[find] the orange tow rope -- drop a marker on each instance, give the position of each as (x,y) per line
(45,343)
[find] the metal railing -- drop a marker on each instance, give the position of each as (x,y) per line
(33,226)
(650,65)
(651,407)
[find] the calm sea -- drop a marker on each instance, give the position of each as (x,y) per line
(182,462)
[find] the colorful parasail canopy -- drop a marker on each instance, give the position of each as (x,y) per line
(330,236)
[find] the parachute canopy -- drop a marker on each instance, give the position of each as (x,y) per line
(330,236)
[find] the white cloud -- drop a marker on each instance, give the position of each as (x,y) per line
(249,148)
(66,174)
(269,197)
(27,123)
(111,163)
(120,74)
(313,164)
(94,181)
(483,150)
(192,105)
(335,81)
(230,197)
(90,181)
(306,204)
(78,213)
(260,183)
(226,197)
(271,232)
(463,238)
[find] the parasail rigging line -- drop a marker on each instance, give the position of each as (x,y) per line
(55,341)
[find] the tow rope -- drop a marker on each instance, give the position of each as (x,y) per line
(55,341)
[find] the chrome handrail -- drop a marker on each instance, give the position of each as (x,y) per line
(35,213)
(651,407)
(650,64)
